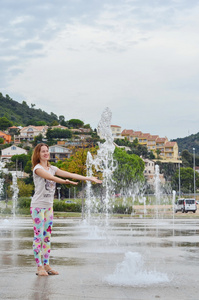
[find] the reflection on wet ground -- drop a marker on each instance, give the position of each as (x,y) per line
(91,258)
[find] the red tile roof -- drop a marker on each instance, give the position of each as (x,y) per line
(127,132)
(170,144)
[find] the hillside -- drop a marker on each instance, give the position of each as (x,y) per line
(22,114)
(188,143)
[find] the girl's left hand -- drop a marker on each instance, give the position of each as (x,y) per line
(95,179)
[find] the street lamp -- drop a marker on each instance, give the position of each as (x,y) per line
(58,188)
(194,175)
(179,175)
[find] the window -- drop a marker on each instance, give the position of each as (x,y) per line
(13,148)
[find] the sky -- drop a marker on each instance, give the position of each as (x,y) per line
(77,57)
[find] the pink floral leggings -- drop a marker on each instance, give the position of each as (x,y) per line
(42,221)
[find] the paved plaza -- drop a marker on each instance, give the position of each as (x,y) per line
(120,259)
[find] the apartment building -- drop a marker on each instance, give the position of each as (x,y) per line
(161,147)
(171,150)
(143,139)
(151,143)
(116,131)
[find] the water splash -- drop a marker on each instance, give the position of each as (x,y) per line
(1,179)
(131,272)
(1,186)
(15,190)
(104,163)
(157,189)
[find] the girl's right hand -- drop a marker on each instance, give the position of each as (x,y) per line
(71,182)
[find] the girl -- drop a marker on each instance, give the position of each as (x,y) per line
(42,204)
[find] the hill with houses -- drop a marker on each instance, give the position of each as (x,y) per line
(20,114)
(30,126)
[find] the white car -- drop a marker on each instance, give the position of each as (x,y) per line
(185,205)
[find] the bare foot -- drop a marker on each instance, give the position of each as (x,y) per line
(41,271)
(50,271)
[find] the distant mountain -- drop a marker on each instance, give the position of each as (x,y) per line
(188,143)
(22,114)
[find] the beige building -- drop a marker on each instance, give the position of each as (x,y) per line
(116,131)
(151,143)
(7,153)
(171,150)
(161,147)
(149,172)
(28,133)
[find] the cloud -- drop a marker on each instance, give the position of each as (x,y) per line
(75,58)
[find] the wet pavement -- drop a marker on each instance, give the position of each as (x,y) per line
(128,259)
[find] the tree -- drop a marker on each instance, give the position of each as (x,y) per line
(168,169)
(76,163)
(58,133)
(187,159)
(61,118)
(158,151)
(151,155)
(5,123)
(130,169)
(87,126)
(186,180)
(1,140)
(41,123)
(75,123)
(38,139)
(53,115)
(25,190)
(21,160)
(24,103)
(54,123)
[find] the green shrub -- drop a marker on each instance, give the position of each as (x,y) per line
(66,207)
(7,211)
(120,209)
(23,211)
(23,202)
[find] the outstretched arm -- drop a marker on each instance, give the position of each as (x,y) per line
(49,176)
(66,174)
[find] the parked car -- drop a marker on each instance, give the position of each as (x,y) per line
(68,201)
(185,205)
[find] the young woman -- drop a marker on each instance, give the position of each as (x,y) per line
(45,179)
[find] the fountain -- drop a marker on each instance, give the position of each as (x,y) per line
(14,186)
(104,163)
(15,190)
(157,189)
(132,270)
(1,186)
(125,259)
(1,180)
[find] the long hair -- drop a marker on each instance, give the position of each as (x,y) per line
(36,154)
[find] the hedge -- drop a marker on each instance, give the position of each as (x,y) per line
(61,206)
